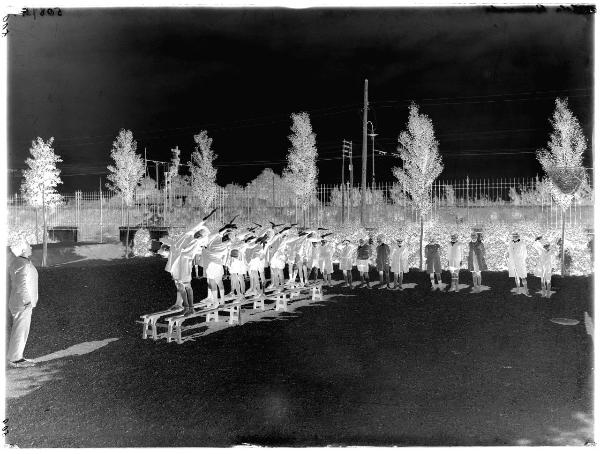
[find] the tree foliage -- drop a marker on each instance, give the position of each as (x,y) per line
(562,159)
(301,171)
(128,170)
(422,163)
(42,177)
(204,174)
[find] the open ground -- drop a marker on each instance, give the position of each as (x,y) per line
(361,367)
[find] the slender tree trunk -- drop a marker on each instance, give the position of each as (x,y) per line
(44,238)
(127,237)
(37,235)
(562,246)
(421,246)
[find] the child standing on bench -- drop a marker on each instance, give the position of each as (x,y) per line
(326,259)
(216,251)
(237,264)
(293,243)
(253,253)
(182,253)
(314,258)
(277,262)
(303,255)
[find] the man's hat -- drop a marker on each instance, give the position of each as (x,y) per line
(18,246)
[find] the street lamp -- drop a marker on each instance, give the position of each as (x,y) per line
(372,136)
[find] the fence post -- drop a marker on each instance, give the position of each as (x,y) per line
(467,198)
(101,216)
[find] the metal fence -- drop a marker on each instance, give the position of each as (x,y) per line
(98,216)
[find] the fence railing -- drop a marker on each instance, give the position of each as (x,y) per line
(98,216)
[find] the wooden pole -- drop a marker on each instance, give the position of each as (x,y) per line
(364,152)
(562,245)
(44,238)
(343,187)
(100,181)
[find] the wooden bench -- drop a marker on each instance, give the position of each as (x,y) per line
(174,328)
(232,304)
(150,321)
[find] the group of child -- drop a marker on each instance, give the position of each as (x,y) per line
(306,252)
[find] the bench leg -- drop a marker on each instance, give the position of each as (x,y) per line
(259,304)
(234,315)
(212,316)
(154,328)
(178,331)
(170,332)
(145,329)
(281,303)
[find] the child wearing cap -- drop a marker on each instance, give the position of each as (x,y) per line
(434,265)
(383,262)
(399,262)
(476,260)
(517,267)
(544,266)
(326,260)
(363,255)
(347,260)
(455,256)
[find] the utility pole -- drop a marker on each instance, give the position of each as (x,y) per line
(343,187)
(346,148)
(364,154)
(145,162)
(351,168)
(372,136)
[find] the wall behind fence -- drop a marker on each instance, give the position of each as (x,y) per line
(98,216)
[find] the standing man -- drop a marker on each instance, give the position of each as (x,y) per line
(23,298)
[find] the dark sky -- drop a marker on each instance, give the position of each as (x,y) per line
(487,80)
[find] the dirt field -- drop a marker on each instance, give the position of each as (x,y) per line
(361,367)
